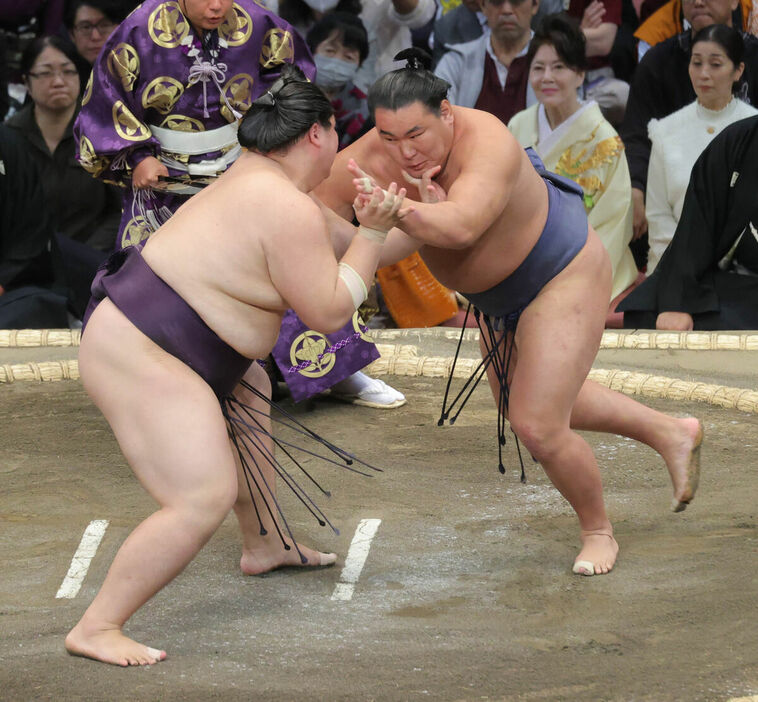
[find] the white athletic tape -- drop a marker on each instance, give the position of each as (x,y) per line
(354,284)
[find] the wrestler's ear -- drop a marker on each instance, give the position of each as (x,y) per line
(446,111)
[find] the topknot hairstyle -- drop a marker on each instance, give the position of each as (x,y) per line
(413,83)
(282,114)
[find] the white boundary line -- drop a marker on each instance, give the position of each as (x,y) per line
(752,698)
(356,557)
(91,539)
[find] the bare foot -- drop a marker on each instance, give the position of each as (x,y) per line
(682,458)
(272,556)
(110,646)
(598,554)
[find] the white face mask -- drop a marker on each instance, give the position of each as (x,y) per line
(332,72)
(321,5)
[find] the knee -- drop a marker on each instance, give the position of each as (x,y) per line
(541,438)
(210,505)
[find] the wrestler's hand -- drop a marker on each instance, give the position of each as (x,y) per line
(363,182)
(674,321)
(381,210)
(145,174)
(429,191)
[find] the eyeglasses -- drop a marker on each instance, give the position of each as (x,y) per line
(104,27)
(46,75)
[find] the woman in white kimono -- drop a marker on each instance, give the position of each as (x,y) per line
(677,140)
(574,140)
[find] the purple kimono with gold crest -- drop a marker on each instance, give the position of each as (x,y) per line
(154,75)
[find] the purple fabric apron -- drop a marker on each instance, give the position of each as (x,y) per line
(312,362)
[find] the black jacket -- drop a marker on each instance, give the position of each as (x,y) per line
(25,227)
(719,205)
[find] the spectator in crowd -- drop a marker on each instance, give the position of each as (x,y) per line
(89,24)
(716,66)
(466,23)
(339,45)
(303,15)
(389,24)
(667,21)
(707,278)
(661,85)
(28,295)
(600,21)
(574,140)
(85,212)
(457,26)
(491,73)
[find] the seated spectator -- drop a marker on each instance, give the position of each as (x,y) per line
(339,45)
(668,21)
(389,24)
(302,14)
(661,85)
(85,213)
(600,21)
(457,26)
(89,24)
(28,298)
(574,140)
(715,68)
(491,73)
(707,279)
(466,22)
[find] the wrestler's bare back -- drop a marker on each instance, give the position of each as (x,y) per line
(494,174)
(214,251)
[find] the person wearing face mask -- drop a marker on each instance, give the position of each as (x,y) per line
(166,93)
(339,44)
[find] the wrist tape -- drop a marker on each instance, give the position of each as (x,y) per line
(376,235)
(354,284)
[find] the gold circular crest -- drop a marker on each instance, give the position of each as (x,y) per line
(87,90)
(237,28)
(123,63)
(277,48)
(182,123)
(137,229)
(357,324)
(127,125)
(162,94)
(167,25)
(239,92)
(307,347)
(89,160)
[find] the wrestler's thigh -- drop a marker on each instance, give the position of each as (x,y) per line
(558,336)
(166,419)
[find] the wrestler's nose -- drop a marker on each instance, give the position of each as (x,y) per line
(407,150)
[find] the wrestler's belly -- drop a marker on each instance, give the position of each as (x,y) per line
(491,259)
(249,330)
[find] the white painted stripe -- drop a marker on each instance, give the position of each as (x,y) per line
(91,539)
(356,558)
